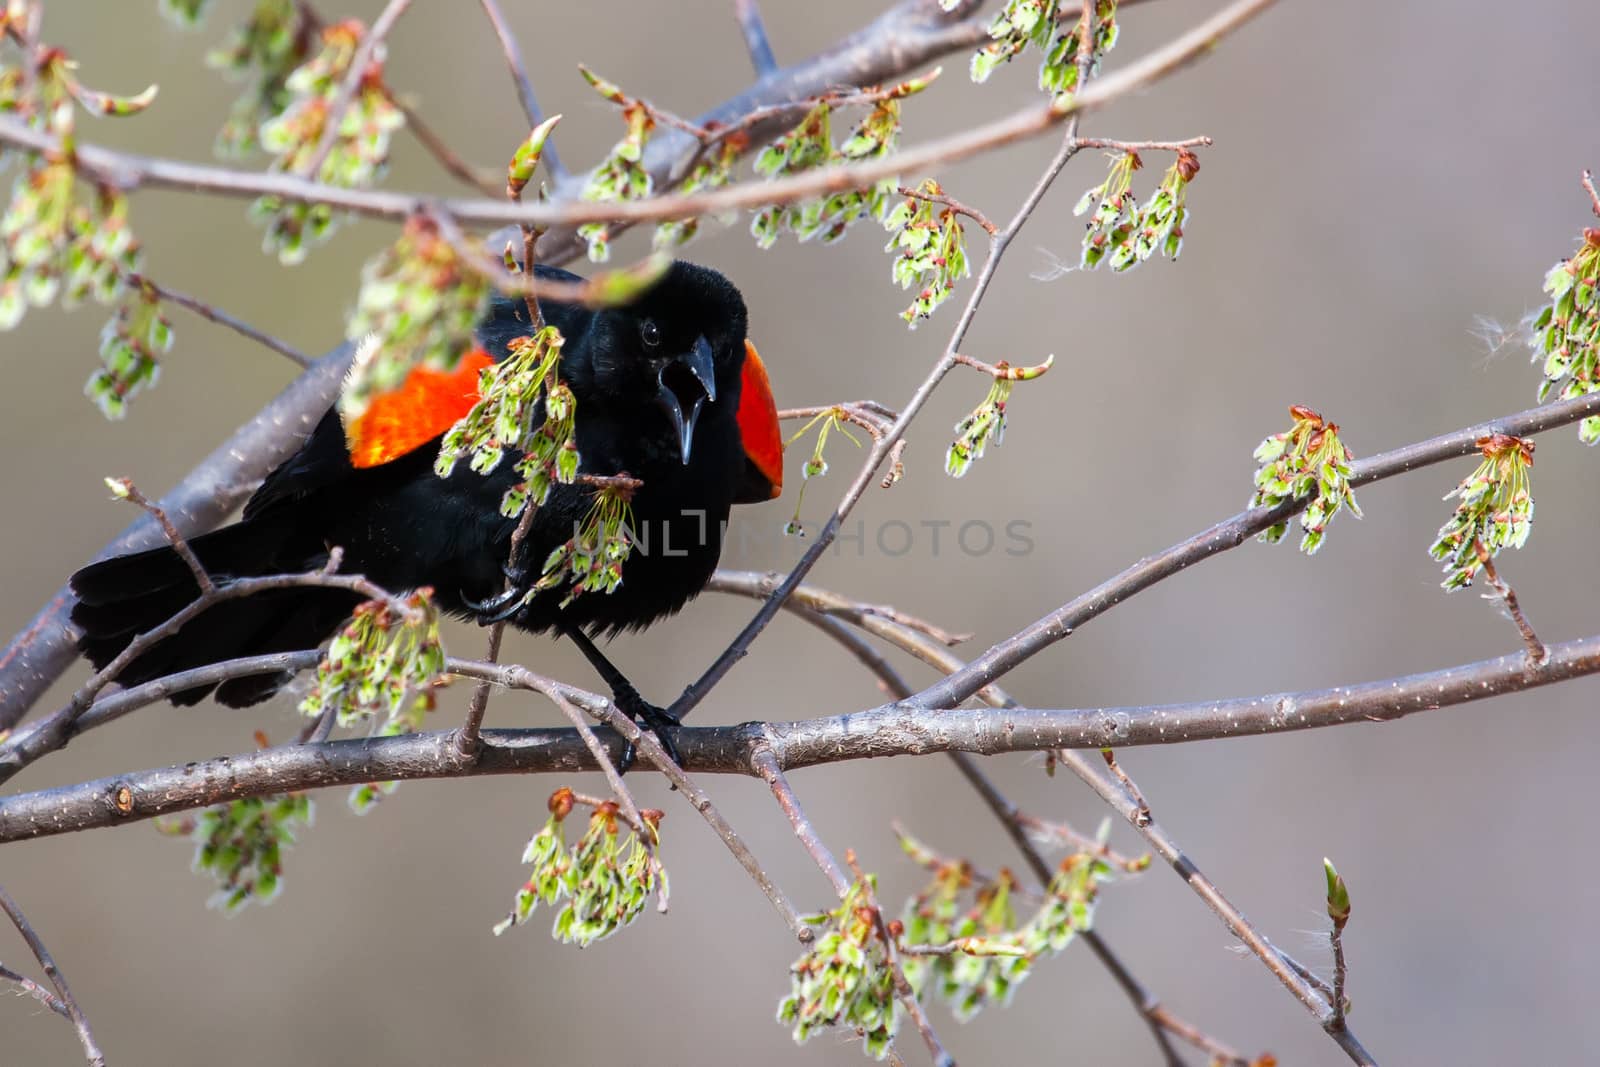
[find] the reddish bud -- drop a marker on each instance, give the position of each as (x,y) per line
(561,803)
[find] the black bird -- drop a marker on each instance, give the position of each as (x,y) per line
(667,390)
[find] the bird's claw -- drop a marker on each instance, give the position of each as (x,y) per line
(657,720)
(502,605)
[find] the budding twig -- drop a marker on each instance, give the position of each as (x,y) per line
(333,118)
(954,205)
(211,313)
(440,150)
(902,988)
(519,75)
(1538,654)
(1005,372)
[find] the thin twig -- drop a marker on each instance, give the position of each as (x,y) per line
(468,740)
(1144,146)
(214,314)
(1220,1055)
(125,488)
(36,991)
(1538,655)
(954,205)
(519,75)
(1141,808)
(1336,936)
(756,41)
(365,54)
(1003,371)
(1594,195)
(630,809)
(441,151)
(57,979)
(767,767)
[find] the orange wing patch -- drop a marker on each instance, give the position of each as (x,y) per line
(758,420)
(427,405)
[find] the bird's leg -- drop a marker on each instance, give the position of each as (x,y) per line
(657,720)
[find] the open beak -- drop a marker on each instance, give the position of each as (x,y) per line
(687,383)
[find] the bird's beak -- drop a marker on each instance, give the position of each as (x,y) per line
(687,383)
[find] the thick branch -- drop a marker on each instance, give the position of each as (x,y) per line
(891,731)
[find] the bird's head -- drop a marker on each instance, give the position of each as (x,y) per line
(676,355)
(675,352)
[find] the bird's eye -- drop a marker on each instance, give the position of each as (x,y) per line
(650,333)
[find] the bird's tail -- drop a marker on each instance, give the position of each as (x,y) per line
(125,596)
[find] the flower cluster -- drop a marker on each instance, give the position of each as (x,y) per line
(1308,457)
(523,405)
(931,247)
(983,425)
(1039,23)
(262,51)
(359,151)
(844,978)
(67,238)
(419,301)
(61,237)
(622,175)
(810,145)
(1123,234)
(605,878)
(712,172)
(985,951)
(1495,510)
(130,343)
(383,656)
(1566,333)
(591,560)
(817,465)
(936,916)
(241,845)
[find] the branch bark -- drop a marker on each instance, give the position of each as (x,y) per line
(890,731)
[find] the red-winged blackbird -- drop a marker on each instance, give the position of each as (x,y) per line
(667,389)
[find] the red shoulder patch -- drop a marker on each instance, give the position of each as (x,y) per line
(427,405)
(758,421)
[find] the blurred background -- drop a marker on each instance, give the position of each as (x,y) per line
(1385,178)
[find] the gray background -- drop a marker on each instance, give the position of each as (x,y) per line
(1383,175)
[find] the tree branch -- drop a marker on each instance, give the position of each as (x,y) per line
(756,41)
(57,979)
(891,731)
